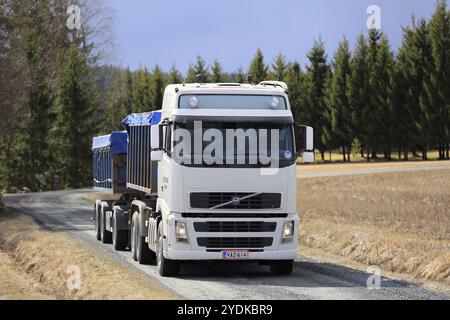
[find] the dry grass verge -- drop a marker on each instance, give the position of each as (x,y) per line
(34,265)
(398,221)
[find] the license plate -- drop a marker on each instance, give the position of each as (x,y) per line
(235,254)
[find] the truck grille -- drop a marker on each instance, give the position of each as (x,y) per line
(235,226)
(206,200)
(232,243)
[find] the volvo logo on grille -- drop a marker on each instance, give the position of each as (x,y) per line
(236,201)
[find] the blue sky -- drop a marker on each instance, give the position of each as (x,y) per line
(164,32)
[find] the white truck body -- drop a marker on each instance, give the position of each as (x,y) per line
(176,182)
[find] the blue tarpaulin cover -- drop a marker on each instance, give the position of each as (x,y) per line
(117,141)
(147,118)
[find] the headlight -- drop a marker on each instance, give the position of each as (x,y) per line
(181,231)
(288,231)
(288,155)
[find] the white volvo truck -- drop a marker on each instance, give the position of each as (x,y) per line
(211,176)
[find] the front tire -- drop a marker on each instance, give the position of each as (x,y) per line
(141,251)
(167,267)
(133,237)
(282,267)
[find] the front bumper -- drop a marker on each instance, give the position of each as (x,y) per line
(253,256)
(192,250)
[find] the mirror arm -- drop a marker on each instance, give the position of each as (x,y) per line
(299,153)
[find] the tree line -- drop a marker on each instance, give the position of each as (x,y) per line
(48,99)
(370,100)
(55,96)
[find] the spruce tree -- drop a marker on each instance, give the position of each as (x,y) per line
(217,74)
(129,83)
(258,69)
(142,99)
(337,101)
(115,103)
(438,84)
(295,80)
(370,115)
(157,86)
(416,68)
(358,90)
(317,74)
(279,68)
(382,93)
(174,76)
(403,124)
(33,149)
(199,68)
(76,104)
(240,76)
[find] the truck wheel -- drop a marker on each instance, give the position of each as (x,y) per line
(282,267)
(119,237)
(142,252)
(98,235)
(105,234)
(133,237)
(167,267)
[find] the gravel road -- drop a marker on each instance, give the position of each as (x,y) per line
(67,211)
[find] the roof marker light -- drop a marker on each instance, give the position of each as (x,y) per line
(193,102)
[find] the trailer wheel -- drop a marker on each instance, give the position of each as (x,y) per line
(98,235)
(105,234)
(282,267)
(167,267)
(142,252)
(119,237)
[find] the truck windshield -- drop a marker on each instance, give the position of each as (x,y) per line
(231,144)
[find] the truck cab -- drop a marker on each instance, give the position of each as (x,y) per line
(211,176)
(227,174)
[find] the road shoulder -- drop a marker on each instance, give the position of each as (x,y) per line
(44,264)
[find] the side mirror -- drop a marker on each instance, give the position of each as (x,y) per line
(155,140)
(308,157)
(308,139)
(305,142)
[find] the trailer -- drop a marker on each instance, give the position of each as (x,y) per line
(211,176)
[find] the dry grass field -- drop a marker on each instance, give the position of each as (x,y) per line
(397,221)
(348,167)
(34,265)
